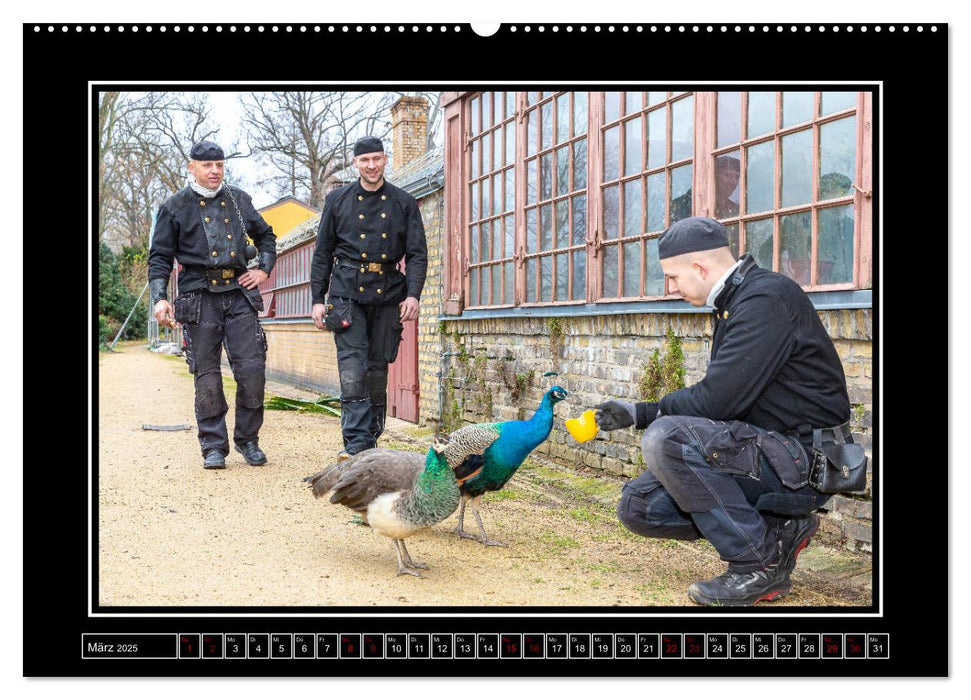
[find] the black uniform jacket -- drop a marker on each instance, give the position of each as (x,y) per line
(206,233)
(361,238)
(772,363)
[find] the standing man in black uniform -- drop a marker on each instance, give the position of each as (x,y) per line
(366,229)
(714,469)
(204,226)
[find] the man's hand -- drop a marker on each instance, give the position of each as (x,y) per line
(164,314)
(252,278)
(317,314)
(614,415)
(408,309)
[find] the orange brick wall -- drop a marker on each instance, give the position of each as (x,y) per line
(298,353)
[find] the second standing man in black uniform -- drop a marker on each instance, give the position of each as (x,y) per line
(359,293)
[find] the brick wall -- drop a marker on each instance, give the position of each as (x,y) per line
(429,338)
(299,354)
(409,123)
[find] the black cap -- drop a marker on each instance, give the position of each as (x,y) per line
(368,144)
(690,236)
(206,150)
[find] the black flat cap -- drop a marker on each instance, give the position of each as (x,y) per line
(206,150)
(368,144)
(691,235)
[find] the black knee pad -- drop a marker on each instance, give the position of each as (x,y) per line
(250,387)
(210,400)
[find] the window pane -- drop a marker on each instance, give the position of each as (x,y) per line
(657,138)
(475,159)
(546,176)
(683,128)
(758,241)
(531,121)
(546,278)
(497,239)
(531,280)
(474,286)
(758,189)
(579,220)
(508,283)
(510,192)
(563,170)
(509,235)
(732,230)
(761,113)
(510,104)
(632,269)
(656,195)
(486,198)
(579,275)
(680,193)
(497,141)
(729,124)
(726,185)
(830,102)
(837,158)
(531,188)
(654,283)
(497,193)
(611,211)
(562,276)
(580,164)
(797,168)
(654,98)
(563,117)
(510,143)
(486,153)
(612,153)
(532,230)
(475,115)
(632,207)
(562,211)
(835,256)
(795,239)
(797,107)
(474,213)
(546,227)
(632,146)
(486,110)
(611,107)
(610,263)
(474,244)
(486,248)
(496,281)
(547,130)
(579,113)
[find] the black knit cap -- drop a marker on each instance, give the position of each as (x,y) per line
(691,235)
(206,150)
(368,144)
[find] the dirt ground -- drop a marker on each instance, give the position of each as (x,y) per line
(174,534)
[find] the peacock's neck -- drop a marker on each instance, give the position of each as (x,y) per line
(436,493)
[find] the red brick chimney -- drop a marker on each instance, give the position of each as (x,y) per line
(409,126)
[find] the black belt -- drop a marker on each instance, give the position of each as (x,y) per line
(222,277)
(364,266)
(840,434)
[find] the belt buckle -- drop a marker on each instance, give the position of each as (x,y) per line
(227,274)
(374,267)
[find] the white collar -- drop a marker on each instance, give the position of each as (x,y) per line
(204,191)
(720,284)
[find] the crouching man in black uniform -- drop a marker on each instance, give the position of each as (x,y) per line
(204,226)
(366,229)
(728,459)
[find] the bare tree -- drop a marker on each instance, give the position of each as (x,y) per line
(305,137)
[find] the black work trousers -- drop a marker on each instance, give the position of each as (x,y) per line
(364,350)
(226,319)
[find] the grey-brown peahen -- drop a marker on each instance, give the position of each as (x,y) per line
(400,493)
(511,442)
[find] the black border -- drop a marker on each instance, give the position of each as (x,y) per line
(916,621)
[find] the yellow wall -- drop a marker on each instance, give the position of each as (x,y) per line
(284,216)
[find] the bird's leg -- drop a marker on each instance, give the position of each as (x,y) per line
(403,567)
(460,530)
(409,561)
(360,519)
(484,539)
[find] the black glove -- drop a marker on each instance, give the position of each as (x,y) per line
(614,415)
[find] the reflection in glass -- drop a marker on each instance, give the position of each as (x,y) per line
(657,138)
(562,212)
(729,122)
(547,130)
(475,159)
(563,117)
(486,152)
(632,146)
(654,282)
(546,279)
(496,280)
(497,239)
(580,164)
(532,118)
(761,113)
(475,115)
(510,104)
(474,213)
(797,107)
(795,246)
(632,269)
(563,170)
(830,102)
(632,102)
(508,283)
(579,220)
(732,230)
(486,110)
(510,191)
(727,173)
(579,289)
(611,107)
(656,196)
(474,286)
(612,153)
(758,188)
(485,244)
(532,231)
(497,141)
(486,198)
(562,276)
(837,158)
(497,193)
(656,98)
(610,264)
(546,176)
(632,207)
(797,168)
(611,211)
(758,241)
(531,280)
(545,227)
(510,143)
(474,244)
(531,181)
(835,256)
(579,113)
(509,234)
(680,193)
(683,128)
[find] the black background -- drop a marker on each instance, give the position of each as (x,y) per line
(906,118)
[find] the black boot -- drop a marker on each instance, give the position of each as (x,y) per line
(214,459)
(252,453)
(733,588)
(794,534)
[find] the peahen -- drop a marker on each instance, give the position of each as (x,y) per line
(513,441)
(400,493)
